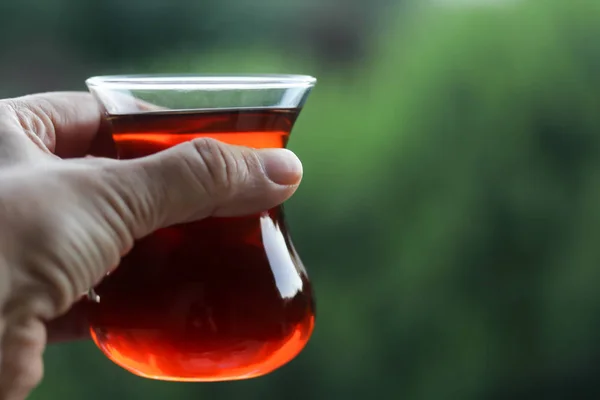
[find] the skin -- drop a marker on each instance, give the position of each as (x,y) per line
(67,219)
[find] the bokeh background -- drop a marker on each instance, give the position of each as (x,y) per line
(450,211)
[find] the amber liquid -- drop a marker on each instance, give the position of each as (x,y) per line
(218,299)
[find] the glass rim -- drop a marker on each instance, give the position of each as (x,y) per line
(201,81)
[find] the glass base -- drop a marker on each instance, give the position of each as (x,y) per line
(215,300)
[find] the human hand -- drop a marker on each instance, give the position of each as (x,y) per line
(65,220)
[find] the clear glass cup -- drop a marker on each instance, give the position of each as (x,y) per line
(218,299)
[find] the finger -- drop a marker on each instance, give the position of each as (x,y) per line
(198,179)
(73,325)
(21,366)
(66,123)
(14,145)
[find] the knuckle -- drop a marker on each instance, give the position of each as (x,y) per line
(219,166)
(127,201)
(125,194)
(249,164)
(35,119)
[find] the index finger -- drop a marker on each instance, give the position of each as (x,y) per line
(69,124)
(66,122)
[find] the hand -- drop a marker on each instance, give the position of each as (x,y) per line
(66,221)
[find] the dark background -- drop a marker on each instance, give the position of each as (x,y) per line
(450,211)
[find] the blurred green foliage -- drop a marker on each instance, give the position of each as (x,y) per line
(449,215)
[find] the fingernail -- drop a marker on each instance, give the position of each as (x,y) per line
(281,166)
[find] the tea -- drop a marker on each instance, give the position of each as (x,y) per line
(217,299)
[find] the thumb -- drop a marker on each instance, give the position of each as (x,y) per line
(198,179)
